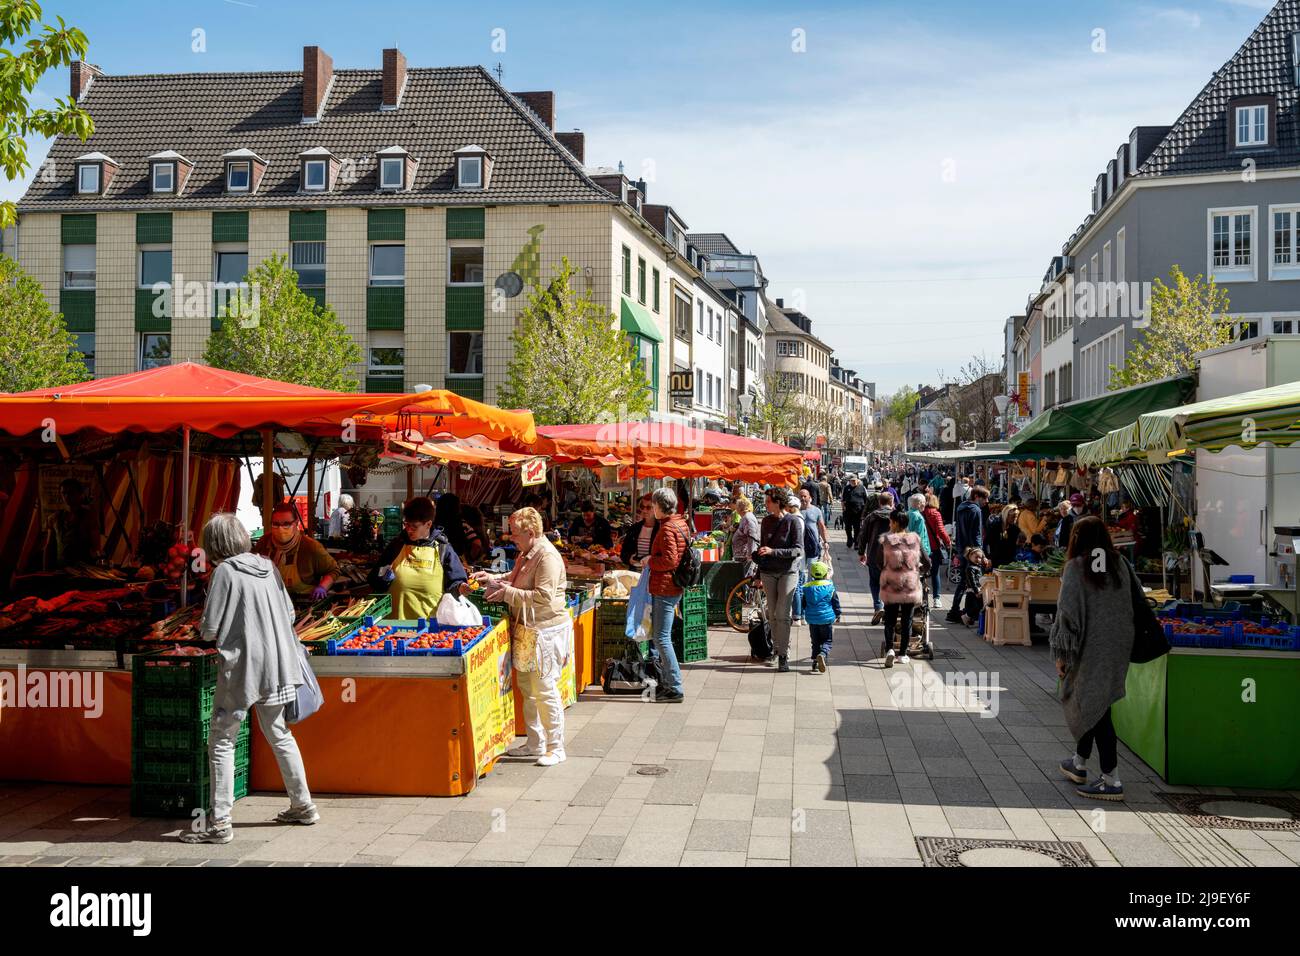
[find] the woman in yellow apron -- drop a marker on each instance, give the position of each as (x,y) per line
(419,565)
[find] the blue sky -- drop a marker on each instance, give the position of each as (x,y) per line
(905,177)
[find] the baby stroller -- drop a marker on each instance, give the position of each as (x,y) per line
(918,642)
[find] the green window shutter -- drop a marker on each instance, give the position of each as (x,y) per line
(230,226)
(465,308)
(466,387)
(78,230)
(386,225)
(78,308)
(386,307)
(216,324)
(153,227)
(385,383)
(465,223)
(317,295)
(307,226)
(145,320)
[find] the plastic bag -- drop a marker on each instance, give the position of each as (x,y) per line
(638,610)
(309,698)
(457,611)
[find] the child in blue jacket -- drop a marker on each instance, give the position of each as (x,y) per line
(821,609)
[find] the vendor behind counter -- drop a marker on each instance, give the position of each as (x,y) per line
(419,565)
(307,568)
(590,528)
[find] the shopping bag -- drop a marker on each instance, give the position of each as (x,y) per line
(1149,641)
(638,609)
(456,611)
(309,699)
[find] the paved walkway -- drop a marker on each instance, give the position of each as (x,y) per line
(860,766)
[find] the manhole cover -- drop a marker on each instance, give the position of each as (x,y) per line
(1235,813)
(964,852)
(651,771)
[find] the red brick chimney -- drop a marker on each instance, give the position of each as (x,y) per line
(394,78)
(83,74)
(575,142)
(541,103)
(317,71)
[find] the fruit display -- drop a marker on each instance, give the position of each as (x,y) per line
(178,555)
(370,638)
(443,640)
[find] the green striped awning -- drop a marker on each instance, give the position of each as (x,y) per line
(635,319)
(1247,419)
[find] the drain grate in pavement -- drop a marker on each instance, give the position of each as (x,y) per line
(967,852)
(948,654)
(650,770)
(1235,813)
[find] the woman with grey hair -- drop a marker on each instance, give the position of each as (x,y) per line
(671,541)
(250,616)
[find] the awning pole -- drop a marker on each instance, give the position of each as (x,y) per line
(410,482)
(185,511)
(1164,572)
(311,492)
(268,480)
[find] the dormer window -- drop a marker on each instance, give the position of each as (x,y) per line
(164,177)
(87,178)
(390,172)
(313,175)
(1252,125)
(1295,56)
(469,172)
(238,176)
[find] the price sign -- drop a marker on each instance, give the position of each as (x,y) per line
(533,472)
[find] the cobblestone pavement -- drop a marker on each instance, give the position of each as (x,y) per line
(857,766)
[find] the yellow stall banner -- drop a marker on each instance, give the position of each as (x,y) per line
(490,681)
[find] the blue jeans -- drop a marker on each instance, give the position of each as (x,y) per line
(822,635)
(796,605)
(874,574)
(661,642)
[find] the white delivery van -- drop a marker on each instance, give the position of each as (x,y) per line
(857,465)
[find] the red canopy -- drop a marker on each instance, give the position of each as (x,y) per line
(223,404)
(669,450)
(812,456)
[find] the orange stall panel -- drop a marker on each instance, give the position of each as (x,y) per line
(89,742)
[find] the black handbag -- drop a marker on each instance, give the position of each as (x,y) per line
(1149,641)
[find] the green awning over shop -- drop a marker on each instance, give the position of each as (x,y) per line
(635,319)
(1247,419)
(1058,432)
(983,451)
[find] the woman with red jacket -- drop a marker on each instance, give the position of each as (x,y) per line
(938,539)
(670,541)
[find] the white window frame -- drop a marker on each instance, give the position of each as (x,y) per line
(1252,125)
(385,339)
(464,163)
(293,259)
(370,265)
(385,164)
(247,168)
(1133,154)
(227,249)
(1121,250)
(699,316)
(1232,273)
(81,171)
(467,376)
(155,169)
(139,264)
(66,271)
(471,244)
(324,175)
(1290,271)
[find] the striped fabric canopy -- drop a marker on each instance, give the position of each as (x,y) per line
(1263,416)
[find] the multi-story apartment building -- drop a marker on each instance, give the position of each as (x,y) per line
(924,428)
(1217,193)
(421,204)
(799,363)
(852,398)
(739,277)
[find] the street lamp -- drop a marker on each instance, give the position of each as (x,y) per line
(1000,402)
(746,402)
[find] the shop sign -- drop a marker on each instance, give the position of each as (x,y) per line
(533,472)
(681,385)
(489,673)
(53,476)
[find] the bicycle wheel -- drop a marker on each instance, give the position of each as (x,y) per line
(745,601)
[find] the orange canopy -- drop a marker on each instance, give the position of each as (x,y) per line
(223,404)
(669,450)
(465,451)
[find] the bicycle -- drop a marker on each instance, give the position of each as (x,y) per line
(746,603)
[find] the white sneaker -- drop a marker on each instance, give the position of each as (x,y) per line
(889,659)
(551,759)
(904,659)
(525,751)
(938,604)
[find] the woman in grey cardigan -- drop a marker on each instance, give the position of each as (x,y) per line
(250,616)
(1092,640)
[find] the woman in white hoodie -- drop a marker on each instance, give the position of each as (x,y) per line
(250,616)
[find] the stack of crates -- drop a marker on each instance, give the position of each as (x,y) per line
(392,522)
(691,629)
(171,712)
(493,609)
(611,631)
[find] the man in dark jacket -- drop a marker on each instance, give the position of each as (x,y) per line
(779,557)
(945,502)
(855,503)
(968,533)
(870,551)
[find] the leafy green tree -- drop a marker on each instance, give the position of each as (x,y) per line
(279,332)
(1187,316)
(570,362)
(36,349)
(901,404)
(44,47)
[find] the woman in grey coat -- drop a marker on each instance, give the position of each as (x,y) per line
(250,616)
(1092,640)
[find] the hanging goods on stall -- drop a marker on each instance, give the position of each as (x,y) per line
(1062,478)
(1107,483)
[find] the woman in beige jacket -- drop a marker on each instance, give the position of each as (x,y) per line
(541,632)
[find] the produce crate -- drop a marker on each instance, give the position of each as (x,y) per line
(1044,588)
(493,609)
(695,601)
(378,611)
(192,707)
(457,648)
(191,767)
(391,647)
(1290,641)
(1011,581)
(690,643)
(173,801)
(156,674)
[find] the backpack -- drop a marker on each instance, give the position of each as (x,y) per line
(689,568)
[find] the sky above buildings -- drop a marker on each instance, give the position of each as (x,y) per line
(905,171)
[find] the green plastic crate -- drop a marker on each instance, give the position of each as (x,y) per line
(695,599)
(194,707)
(179,800)
(493,609)
(383,607)
(185,767)
(166,675)
(691,649)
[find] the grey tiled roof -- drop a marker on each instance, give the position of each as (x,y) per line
(1198,141)
(204,115)
(713,243)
